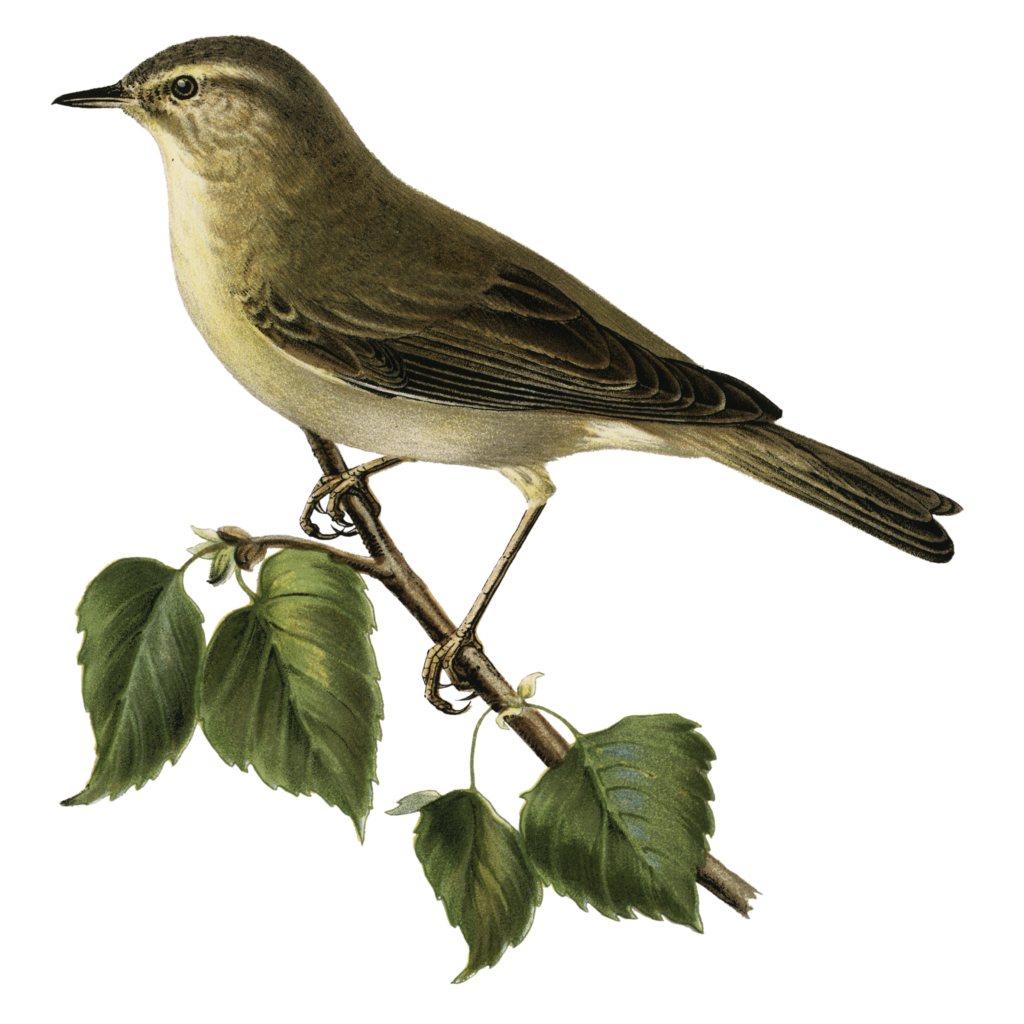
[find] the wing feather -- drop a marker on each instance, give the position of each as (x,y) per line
(520,345)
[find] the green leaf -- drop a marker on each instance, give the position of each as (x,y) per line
(478,868)
(414,802)
(289,684)
(621,822)
(140,660)
(223,566)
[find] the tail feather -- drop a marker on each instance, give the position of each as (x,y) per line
(887,506)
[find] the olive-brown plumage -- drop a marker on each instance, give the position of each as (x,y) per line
(369,313)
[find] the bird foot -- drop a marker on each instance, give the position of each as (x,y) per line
(325,499)
(439,659)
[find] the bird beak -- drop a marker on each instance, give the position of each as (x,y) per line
(108,96)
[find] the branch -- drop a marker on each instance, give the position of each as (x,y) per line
(386,563)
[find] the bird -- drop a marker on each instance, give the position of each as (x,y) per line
(372,315)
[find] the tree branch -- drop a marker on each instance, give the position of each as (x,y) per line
(386,563)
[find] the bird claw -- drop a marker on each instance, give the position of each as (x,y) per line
(310,529)
(332,487)
(439,659)
(340,519)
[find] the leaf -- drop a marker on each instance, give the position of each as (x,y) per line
(621,822)
(478,868)
(289,684)
(223,566)
(140,660)
(414,802)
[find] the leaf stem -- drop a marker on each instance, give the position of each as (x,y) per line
(573,731)
(473,739)
(247,591)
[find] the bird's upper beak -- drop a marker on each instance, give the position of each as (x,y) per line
(107,96)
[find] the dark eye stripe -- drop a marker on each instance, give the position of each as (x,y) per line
(185,87)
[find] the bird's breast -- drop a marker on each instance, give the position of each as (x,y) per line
(207,249)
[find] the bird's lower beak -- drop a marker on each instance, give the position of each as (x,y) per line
(108,96)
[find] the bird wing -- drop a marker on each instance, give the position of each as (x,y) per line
(519,344)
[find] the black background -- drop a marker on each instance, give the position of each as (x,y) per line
(774,219)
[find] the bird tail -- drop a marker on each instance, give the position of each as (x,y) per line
(887,506)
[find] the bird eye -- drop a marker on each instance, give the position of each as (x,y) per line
(185,88)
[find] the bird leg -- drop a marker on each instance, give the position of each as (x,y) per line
(440,656)
(332,487)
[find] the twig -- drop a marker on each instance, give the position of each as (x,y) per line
(386,563)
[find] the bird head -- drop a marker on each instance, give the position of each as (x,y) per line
(230,105)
